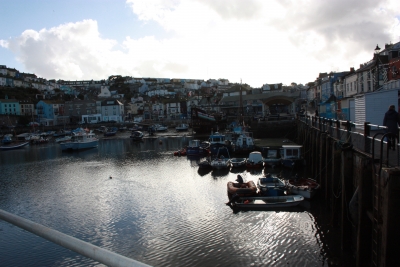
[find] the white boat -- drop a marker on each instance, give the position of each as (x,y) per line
(80,140)
(255,160)
(160,128)
(242,140)
(221,162)
(182,127)
(63,139)
(306,187)
(263,202)
(13,145)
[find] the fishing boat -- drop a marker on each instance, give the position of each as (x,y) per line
(137,135)
(238,162)
(64,138)
(242,141)
(182,127)
(79,141)
(291,156)
(255,160)
(195,148)
(204,122)
(271,156)
(306,187)
(217,141)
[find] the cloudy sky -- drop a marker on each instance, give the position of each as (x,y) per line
(256,41)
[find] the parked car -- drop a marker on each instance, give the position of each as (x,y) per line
(33,123)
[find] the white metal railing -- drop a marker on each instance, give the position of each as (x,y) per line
(86,249)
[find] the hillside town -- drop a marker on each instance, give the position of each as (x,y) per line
(341,95)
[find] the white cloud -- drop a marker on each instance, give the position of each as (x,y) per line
(256,41)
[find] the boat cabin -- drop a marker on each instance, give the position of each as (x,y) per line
(217,138)
(194,143)
(291,151)
(270,152)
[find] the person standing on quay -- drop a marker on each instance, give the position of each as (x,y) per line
(392,122)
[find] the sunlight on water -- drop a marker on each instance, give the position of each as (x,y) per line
(138,200)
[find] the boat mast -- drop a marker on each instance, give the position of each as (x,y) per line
(240,103)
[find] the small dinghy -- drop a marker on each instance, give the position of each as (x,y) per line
(306,187)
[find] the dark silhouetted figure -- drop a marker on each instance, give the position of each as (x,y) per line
(392,122)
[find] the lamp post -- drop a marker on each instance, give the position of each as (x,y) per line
(377,49)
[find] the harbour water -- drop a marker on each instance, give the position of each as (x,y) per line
(138,200)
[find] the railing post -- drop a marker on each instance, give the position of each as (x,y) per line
(348,126)
(337,129)
(367,133)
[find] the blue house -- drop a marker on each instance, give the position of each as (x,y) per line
(9,107)
(328,99)
(48,110)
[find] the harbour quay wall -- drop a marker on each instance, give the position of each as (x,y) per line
(274,129)
(360,184)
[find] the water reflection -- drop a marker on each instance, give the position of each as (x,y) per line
(157,208)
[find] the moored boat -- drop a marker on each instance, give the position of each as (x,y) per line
(195,148)
(271,186)
(291,156)
(271,156)
(264,202)
(255,160)
(111,131)
(220,163)
(238,162)
(181,152)
(241,188)
(182,127)
(242,141)
(217,141)
(306,187)
(11,146)
(137,135)
(80,140)
(204,122)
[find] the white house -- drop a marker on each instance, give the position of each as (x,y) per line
(112,110)
(2,81)
(350,85)
(104,92)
